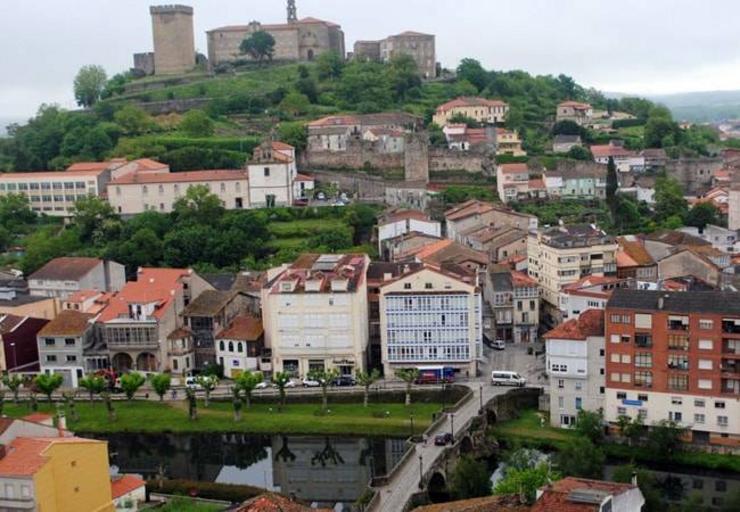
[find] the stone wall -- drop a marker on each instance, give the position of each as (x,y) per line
(144,62)
(694,174)
(360,185)
(452,160)
(156,108)
(416,158)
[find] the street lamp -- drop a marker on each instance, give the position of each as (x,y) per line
(480,390)
(452,425)
(421,472)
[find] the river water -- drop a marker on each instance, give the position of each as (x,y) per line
(328,471)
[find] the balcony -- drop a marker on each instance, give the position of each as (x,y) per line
(730,387)
(678,365)
(677,325)
(17,503)
(730,347)
(731,326)
(643,340)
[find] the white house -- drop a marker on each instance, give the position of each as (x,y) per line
(397,222)
(239,346)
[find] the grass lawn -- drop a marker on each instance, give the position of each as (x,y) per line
(305,227)
(632,131)
(527,431)
(152,417)
(188,505)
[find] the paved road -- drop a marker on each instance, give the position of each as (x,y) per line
(394,496)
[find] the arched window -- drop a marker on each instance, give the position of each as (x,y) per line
(239,347)
(231,346)
(221,345)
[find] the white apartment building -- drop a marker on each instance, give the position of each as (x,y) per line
(431,317)
(562,255)
(61,345)
(315,314)
(62,277)
(55,193)
(399,222)
(575,364)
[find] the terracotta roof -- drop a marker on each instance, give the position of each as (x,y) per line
(92,166)
(38,417)
(83,295)
(303,177)
(559,497)
(51,174)
(607,150)
(401,214)
(67,323)
(180,333)
(467,209)
(157,285)
(575,104)
(520,279)
(124,484)
(537,184)
(269,502)
(674,237)
(26,455)
(513,168)
(243,327)
(446,252)
(66,269)
(467,101)
(281,146)
(180,177)
(635,251)
(320,271)
(485,504)
(589,323)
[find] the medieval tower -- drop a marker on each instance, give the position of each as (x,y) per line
(174,39)
(292,12)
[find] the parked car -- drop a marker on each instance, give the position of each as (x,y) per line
(310,383)
(443,439)
(320,196)
(344,380)
(192,383)
(498,344)
(506,378)
(264,385)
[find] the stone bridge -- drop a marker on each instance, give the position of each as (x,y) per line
(425,468)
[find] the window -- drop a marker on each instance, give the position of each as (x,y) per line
(705,364)
(579,385)
(643,340)
(678,382)
(69,342)
(267,172)
(698,403)
(644,379)
(705,344)
(621,395)
(561,402)
(174,364)
(678,362)
(643,321)
(678,342)
(704,384)
(621,411)
(601,352)
(699,418)
(720,486)
(642,397)
(51,358)
(706,325)
(561,383)
(675,416)
(221,345)
(697,483)
(644,359)
(49,342)
(719,405)
(722,421)
(71,358)
(406,286)
(579,403)
(428,286)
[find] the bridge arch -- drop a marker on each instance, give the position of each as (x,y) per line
(466,445)
(437,488)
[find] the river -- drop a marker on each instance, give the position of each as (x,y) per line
(328,471)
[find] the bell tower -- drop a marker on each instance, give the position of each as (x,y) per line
(292,12)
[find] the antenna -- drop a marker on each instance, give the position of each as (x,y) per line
(292,12)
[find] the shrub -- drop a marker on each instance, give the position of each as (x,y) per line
(207,490)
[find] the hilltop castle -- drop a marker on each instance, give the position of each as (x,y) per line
(174,47)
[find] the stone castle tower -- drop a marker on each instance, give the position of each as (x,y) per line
(292,12)
(174,39)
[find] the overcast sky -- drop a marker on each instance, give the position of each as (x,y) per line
(634,46)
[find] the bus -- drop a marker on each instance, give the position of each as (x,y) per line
(435,375)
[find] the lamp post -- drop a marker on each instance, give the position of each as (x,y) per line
(480,390)
(421,472)
(452,426)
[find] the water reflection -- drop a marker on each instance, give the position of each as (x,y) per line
(325,470)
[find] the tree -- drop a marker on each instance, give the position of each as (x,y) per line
(130,383)
(134,120)
(192,404)
(208,383)
(525,482)
(236,404)
(260,46)
(15,211)
(47,383)
(198,206)
(403,77)
(460,118)
(281,380)
(362,218)
(89,84)
(661,132)
(630,429)
(94,384)
(409,376)
(702,214)
(2,401)
(590,424)
(247,382)
(295,103)
(13,382)
(579,153)
(664,438)
(329,65)
(568,128)
(293,133)
(108,400)
(669,200)
(612,185)
(470,479)
(90,215)
(366,379)
(581,458)
(69,401)
(324,378)
(472,71)
(196,123)
(161,383)
(332,241)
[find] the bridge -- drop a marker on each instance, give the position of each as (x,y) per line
(425,466)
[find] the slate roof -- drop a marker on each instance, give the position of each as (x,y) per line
(67,323)
(208,303)
(65,269)
(221,282)
(719,302)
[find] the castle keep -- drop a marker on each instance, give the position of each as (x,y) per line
(174,40)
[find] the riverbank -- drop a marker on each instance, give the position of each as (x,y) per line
(527,431)
(380,419)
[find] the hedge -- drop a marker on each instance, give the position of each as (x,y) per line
(626,123)
(205,490)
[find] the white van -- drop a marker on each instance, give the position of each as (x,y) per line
(504,378)
(498,344)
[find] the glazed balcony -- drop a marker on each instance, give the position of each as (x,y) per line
(731,326)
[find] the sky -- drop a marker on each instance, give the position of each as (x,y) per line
(629,46)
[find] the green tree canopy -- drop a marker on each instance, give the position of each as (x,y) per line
(89,84)
(196,123)
(472,71)
(260,46)
(47,383)
(702,214)
(526,481)
(470,479)
(131,382)
(581,458)
(669,200)
(134,120)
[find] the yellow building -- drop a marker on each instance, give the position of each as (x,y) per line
(481,109)
(508,143)
(29,305)
(55,474)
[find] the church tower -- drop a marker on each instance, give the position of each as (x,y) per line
(292,12)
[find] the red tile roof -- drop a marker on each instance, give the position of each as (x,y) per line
(243,327)
(589,323)
(466,101)
(158,285)
(27,455)
(607,150)
(124,484)
(181,177)
(38,417)
(521,280)
(467,209)
(269,502)
(281,146)
(52,174)
(513,168)
(303,177)
(575,104)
